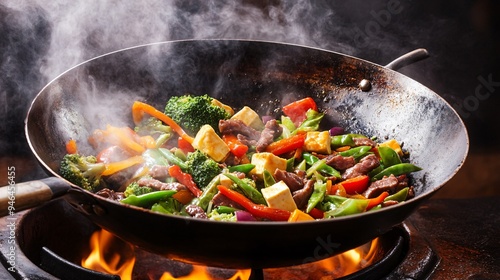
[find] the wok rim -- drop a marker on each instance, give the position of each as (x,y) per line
(416,200)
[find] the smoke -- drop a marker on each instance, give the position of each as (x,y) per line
(42,39)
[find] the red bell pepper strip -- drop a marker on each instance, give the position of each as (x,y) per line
(184,145)
(356,185)
(139,108)
(184,178)
(372,202)
(317,213)
(257,210)
(296,110)
(287,144)
(237,148)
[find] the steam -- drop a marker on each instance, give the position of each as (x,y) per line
(45,38)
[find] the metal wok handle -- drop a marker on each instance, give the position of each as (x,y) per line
(407,59)
(398,63)
(20,196)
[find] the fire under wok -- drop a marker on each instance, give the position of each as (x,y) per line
(264,76)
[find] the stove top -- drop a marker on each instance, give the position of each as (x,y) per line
(444,243)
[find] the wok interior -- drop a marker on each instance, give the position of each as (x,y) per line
(262,75)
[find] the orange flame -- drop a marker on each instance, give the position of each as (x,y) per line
(103,258)
(113,256)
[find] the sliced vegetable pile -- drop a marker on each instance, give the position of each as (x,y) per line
(202,159)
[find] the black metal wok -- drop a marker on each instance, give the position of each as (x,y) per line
(264,76)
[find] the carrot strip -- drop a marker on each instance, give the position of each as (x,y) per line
(372,202)
(114,167)
(139,108)
(125,139)
(71,147)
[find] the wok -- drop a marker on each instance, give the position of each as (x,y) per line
(264,76)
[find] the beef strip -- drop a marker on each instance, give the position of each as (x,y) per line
(364,142)
(271,131)
(364,166)
(196,211)
(386,184)
(390,184)
(292,180)
(302,196)
(238,127)
(159,172)
(222,200)
(159,185)
(340,162)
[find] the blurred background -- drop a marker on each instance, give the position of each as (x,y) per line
(41,39)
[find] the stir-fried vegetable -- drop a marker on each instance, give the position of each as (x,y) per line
(283,168)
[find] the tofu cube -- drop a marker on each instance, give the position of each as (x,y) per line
(226,108)
(318,141)
(267,161)
(279,196)
(225,181)
(210,143)
(249,117)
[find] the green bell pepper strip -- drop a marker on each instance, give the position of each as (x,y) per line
(388,156)
(289,164)
(154,157)
(208,193)
(400,196)
(311,123)
(247,189)
(268,178)
(244,168)
(357,152)
(173,159)
(148,199)
(288,123)
(348,207)
(301,166)
(337,200)
(317,196)
(398,169)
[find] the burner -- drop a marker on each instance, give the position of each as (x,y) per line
(53,238)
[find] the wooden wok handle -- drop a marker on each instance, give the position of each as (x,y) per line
(20,196)
(407,59)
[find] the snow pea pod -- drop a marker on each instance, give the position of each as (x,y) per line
(208,193)
(388,156)
(356,152)
(342,140)
(244,168)
(317,196)
(148,199)
(319,165)
(268,178)
(247,189)
(396,170)
(173,159)
(400,196)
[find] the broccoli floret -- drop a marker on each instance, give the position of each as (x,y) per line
(135,189)
(192,112)
(155,128)
(202,168)
(83,171)
(224,217)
